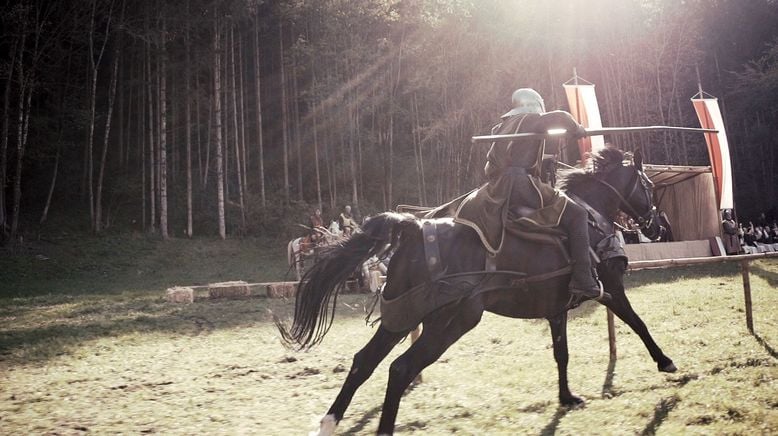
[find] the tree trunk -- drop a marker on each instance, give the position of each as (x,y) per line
(4,139)
(120,124)
(242,121)
(217,109)
(353,120)
(188,120)
(45,212)
(207,166)
(315,131)
(99,196)
(152,145)
(389,168)
(161,74)
(236,132)
(258,89)
(24,123)
(284,116)
(296,115)
(95,65)
(142,128)
(197,131)
(328,168)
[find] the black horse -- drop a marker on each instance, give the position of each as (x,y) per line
(609,186)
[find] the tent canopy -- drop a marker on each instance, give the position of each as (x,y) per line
(666,175)
(687,195)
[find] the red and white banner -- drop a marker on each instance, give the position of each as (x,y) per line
(584,108)
(718,148)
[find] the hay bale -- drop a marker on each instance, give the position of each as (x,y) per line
(282,290)
(236,289)
(180,294)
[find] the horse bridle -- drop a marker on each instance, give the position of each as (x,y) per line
(644,220)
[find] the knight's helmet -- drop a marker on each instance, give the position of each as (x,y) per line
(526,100)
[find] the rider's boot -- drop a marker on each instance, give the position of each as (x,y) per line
(582,282)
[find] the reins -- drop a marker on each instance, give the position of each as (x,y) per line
(644,220)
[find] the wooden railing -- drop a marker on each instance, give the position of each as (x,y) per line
(745,268)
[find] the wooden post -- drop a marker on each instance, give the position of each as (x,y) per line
(611,335)
(745,268)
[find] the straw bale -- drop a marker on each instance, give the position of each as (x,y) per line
(282,290)
(236,289)
(180,294)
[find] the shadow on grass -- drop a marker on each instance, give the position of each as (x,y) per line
(43,331)
(661,411)
(771,277)
(607,385)
(550,428)
(364,420)
(667,275)
(766,346)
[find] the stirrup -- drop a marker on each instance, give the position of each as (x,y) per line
(602,295)
(602,291)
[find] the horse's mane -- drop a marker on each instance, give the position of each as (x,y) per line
(602,162)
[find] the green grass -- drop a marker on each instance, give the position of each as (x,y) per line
(76,265)
(84,353)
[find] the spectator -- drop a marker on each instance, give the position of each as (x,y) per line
(317,223)
(346,221)
(740,235)
(748,235)
(731,242)
(316,219)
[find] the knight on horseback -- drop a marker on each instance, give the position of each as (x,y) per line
(515,192)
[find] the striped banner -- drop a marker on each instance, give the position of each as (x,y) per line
(718,148)
(584,108)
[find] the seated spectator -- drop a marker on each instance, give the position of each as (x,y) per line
(666,233)
(758,235)
(627,225)
(748,235)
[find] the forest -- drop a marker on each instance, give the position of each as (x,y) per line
(238,117)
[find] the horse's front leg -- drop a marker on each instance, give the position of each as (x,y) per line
(559,337)
(362,367)
(612,276)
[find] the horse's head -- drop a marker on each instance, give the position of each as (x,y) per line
(635,192)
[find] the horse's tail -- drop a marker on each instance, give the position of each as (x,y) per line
(313,313)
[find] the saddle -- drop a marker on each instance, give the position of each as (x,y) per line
(406,311)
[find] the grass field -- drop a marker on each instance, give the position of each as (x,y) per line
(87,344)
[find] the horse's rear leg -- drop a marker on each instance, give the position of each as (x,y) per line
(559,337)
(362,367)
(440,331)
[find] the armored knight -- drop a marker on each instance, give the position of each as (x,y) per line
(513,171)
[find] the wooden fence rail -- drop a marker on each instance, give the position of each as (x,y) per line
(745,268)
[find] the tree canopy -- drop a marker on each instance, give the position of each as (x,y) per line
(156,116)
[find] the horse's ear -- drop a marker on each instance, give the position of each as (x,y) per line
(637,159)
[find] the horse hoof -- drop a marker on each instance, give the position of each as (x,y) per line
(326,427)
(572,401)
(667,367)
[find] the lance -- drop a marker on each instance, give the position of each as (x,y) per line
(589,132)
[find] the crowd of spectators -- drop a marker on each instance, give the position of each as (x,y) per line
(342,225)
(758,236)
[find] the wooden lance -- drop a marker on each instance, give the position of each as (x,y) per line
(589,132)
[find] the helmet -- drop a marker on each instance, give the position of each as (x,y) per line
(526,100)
